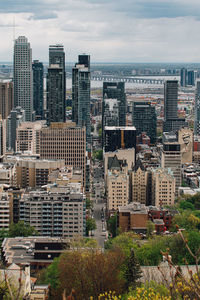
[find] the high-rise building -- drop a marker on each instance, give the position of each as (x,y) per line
(119,138)
(27,137)
(81,94)
(56,85)
(23,79)
(197,109)
(171,158)
(170,99)
(113,105)
(139,184)
(6,98)
(38,97)
(16,117)
(2,136)
(64,141)
(171,120)
(144,119)
(191,77)
(184,75)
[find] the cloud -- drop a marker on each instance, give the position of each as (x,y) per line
(127,31)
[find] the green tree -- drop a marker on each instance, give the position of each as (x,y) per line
(150,228)
(90,225)
(89,203)
(21,229)
(132,272)
(112,225)
(184,204)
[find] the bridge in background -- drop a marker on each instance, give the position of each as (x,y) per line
(108,78)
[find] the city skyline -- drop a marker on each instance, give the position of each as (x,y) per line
(110,31)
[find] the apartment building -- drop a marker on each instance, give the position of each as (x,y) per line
(64,141)
(35,172)
(6,210)
(139,181)
(163,187)
(171,158)
(117,189)
(8,174)
(6,98)
(54,213)
(27,137)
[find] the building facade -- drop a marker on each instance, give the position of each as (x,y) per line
(81,94)
(163,187)
(38,89)
(144,119)
(16,117)
(64,141)
(171,158)
(54,214)
(6,99)
(119,138)
(56,85)
(27,137)
(35,172)
(23,76)
(197,109)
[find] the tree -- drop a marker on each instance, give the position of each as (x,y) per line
(89,204)
(132,272)
(112,225)
(150,228)
(21,229)
(90,225)
(90,273)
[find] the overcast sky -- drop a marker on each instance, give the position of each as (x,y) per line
(108,30)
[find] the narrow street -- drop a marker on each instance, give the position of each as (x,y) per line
(99,234)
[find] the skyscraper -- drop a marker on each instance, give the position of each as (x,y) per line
(170,99)
(56,85)
(197,109)
(144,119)
(171,120)
(184,75)
(113,105)
(6,98)
(23,79)
(81,94)
(38,100)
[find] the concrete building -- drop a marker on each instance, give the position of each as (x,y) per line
(163,187)
(81,94)
(133,216)
(127,155)
(184,77)
(38,89)
(6,210)
(35,172)
(119,138)
(113,105)
(27,137)
(144,119)
(2,136)
(7,174)
(117,186)
(139,182)
(16,117)
(64,141)
(197,109)
(185,139)
(171,158)
(6,99)
(171,120)
(23,76)
(58,214)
